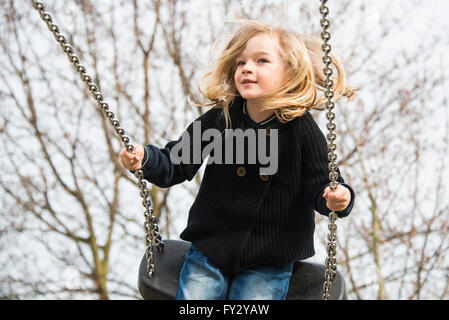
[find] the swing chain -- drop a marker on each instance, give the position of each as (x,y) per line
(152,234)
(331,248)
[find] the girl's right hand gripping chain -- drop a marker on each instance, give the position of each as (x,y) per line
(132,160)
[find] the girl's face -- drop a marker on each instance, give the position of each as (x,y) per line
(260,67)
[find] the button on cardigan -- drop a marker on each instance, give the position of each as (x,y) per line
(240,219)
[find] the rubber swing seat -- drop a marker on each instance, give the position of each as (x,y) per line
(306,282)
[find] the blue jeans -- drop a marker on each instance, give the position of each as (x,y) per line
(201,279)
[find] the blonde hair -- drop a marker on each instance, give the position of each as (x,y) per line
(304,74)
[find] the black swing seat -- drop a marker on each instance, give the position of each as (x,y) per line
(306,282)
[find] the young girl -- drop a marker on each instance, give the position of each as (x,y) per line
(246,226)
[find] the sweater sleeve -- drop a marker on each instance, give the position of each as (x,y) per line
(315,168)
(180,160)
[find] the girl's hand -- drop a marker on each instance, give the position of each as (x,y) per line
(132,161)
(338,199)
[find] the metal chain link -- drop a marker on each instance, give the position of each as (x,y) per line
(331,248)
(152,234)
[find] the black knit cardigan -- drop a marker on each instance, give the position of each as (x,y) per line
(240,217)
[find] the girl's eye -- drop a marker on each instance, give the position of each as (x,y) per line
(241,62)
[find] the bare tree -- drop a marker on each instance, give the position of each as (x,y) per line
(396,242)
(60,186)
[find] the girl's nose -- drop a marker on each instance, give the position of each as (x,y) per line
(247,67)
